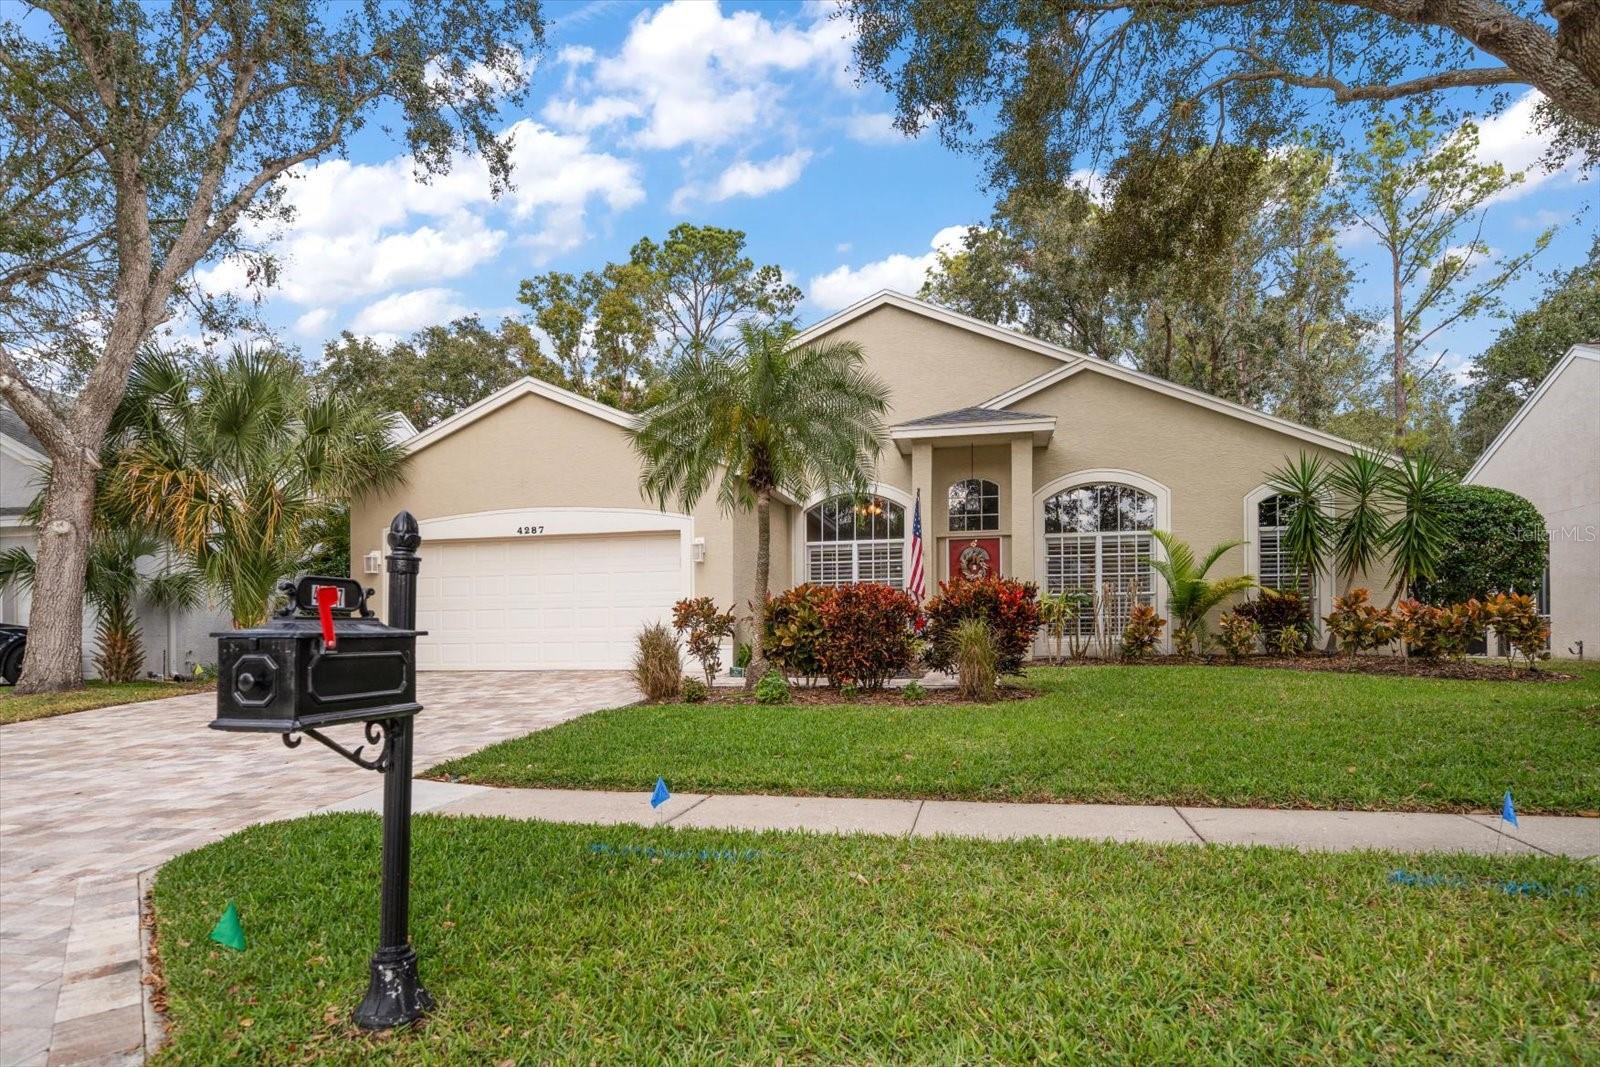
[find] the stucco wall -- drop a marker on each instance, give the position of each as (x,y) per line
(934,367)
(532,452)
(1552,458)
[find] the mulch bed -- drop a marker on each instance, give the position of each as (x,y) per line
(1465,670)
(824,695)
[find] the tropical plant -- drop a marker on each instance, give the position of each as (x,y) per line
(975,655)
(1237,634)
(692,690)
(234,461)
(702,628)
(1277,610)
(1308,538)
(756,417)
(913,692)
(113,585)
(1190,594)
(1416,493)
(1359,481)
(793,632)
(1060,615)
(1516,622)
(1141,632)
(867,634)
(1431,631)
(658,663)
(1358,624)
(1008,607)
(772,689)
(1494,542)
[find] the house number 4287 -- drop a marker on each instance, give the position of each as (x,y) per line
(530,529)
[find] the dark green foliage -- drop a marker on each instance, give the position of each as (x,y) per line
(1494,542)
(772,689)
(793,639)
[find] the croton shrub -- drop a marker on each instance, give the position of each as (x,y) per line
(792,637)
(1359,625)
(868,634)
(702,627)
(1010,607)
(1275,611)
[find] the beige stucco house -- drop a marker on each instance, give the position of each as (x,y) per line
(1050,465)
(1549,453)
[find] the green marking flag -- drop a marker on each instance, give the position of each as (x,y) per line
(229,931)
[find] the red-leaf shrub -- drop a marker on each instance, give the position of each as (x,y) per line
(867,634)
(1515,619)
(1010,607)
(1358,625)
(792,639)
(1431,632)
(1141,632)
(703,627)
(1275,611)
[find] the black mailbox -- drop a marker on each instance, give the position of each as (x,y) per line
(324,659)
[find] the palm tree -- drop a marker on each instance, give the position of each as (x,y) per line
(113,584)
(1190,594)
(1415,492)
(235,461)
(1359,536)
(1309,536)
(757,416)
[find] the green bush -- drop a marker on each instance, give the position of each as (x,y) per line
(1238,634)
(976,656)
(657,664)
(773,689)
(1495,542)
(792,640)
(914,692)
(694,691)
(849,690)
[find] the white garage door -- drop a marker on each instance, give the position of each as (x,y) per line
(543,603)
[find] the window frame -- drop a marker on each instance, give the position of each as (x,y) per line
(988,513)
(1120,543)
(894,560)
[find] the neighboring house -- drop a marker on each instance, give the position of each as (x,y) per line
(539,550)
(172,645)
(1550,453)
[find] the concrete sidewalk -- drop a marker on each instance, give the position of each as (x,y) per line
(1336,831)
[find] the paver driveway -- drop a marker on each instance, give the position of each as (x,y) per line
(89,800)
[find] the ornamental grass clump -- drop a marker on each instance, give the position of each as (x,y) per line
(975,656)
(657,664)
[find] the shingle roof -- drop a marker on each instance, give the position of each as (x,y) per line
(965,416)
(12,426)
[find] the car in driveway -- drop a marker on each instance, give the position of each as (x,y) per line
(13,643)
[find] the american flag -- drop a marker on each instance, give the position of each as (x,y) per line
(914,585)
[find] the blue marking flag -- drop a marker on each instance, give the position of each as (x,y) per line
(660,795)
(1507,812)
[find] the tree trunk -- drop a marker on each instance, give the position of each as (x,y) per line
(54,659)
(758,656)
(1399,348)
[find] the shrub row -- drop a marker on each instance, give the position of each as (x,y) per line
(1431,631)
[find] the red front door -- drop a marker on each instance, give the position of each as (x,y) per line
(974,557)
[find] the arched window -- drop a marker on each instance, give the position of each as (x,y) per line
(856,539)
(1275,570)
(974,505)
(1097,541)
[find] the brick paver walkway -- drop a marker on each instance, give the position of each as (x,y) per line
(87,801)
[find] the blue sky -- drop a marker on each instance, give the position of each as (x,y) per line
(644,115)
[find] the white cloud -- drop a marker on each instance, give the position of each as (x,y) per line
(569,114)
(405,312)
(361,229)
(701,78)
(902,273)
(874,127)
(313,321)
(758,179)
(1515,139)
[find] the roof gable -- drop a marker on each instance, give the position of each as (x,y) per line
(1576,352)
(515,391)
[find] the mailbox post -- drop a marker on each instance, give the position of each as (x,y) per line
(325,660)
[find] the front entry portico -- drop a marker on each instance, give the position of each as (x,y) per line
(973,470)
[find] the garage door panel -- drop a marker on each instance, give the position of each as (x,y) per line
(573,602)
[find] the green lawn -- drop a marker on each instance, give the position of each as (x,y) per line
(1193,735)
(18,708)
(572,944)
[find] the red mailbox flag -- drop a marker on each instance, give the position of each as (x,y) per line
(327,597)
